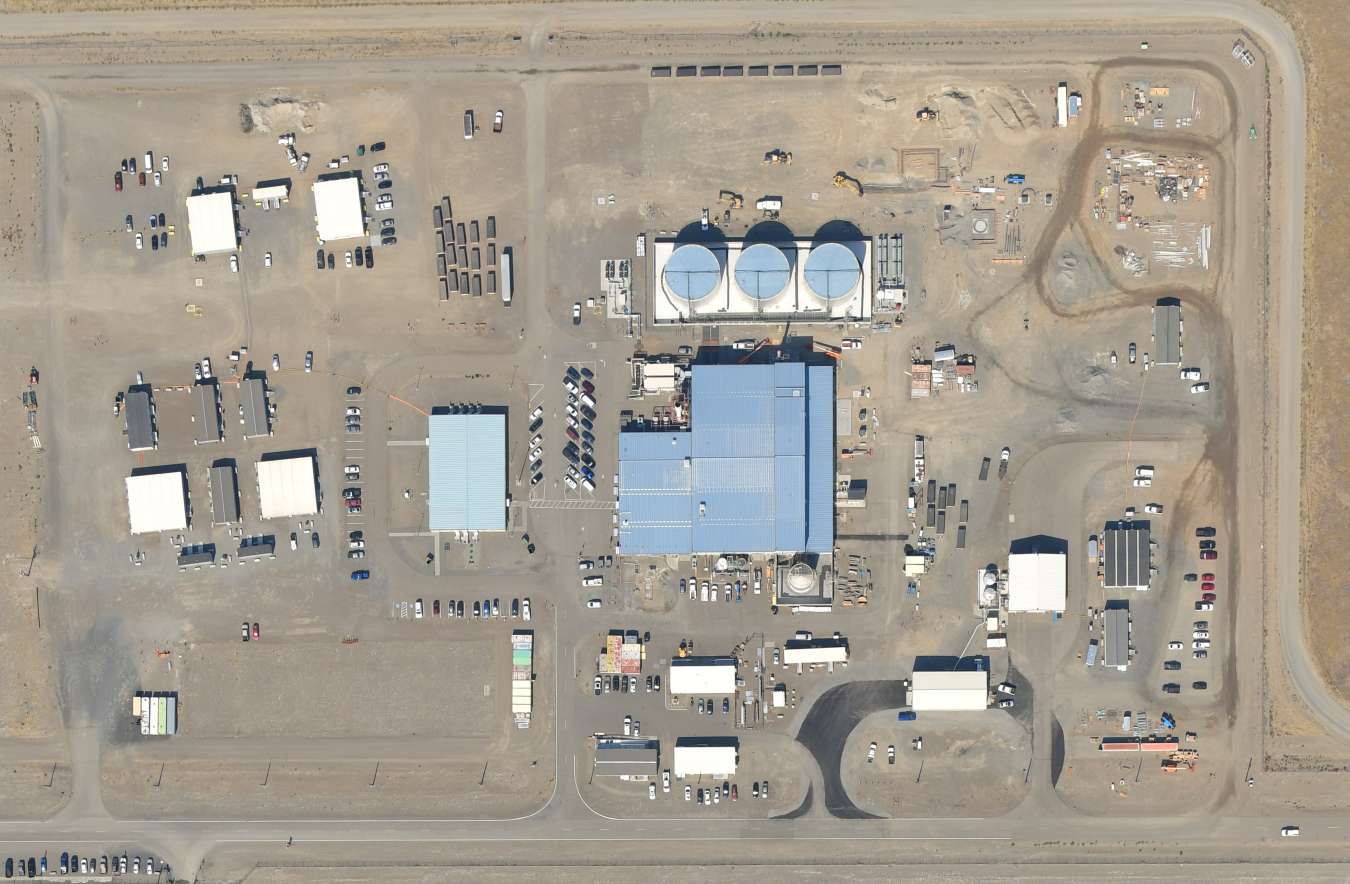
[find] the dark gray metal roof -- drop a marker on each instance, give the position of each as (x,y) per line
(224,488)
(253,392)
(206,411)
(140,421)
(1117,632)
(1125,556)
(1167,331)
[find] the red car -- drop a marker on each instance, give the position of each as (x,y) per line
(588,386)
(436,608)
(1206,587)
(734,796)
(117,181)
(142,179)
(1208,597)
(572,434)
(1209,554)
(255,632)
(1206,576)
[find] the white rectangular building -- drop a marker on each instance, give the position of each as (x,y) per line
(288,487)
(1037,582)
(949,691)
(817,650)
(337,209)
(211,223)
(699,676)
(157,502)
(714,757)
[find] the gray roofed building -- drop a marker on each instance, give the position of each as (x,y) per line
(206,411)
(1116,628)
(257,420)
(621,756)
(140,410)
(224,493)
(197,554)
(1126,557)
(1167,331)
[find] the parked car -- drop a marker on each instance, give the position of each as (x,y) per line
(1171,664)
(309,354)
(245,631)
(593,603)
(1199,655)
(360,575)
(1175,646)
(593,581)
(1171,689)
(1202,387)
(117,187)
(576,313)
(1190,578)
(1199,686)
(356,553)
(1205,532)
(1204,606)
(1005,704)
(1209,555)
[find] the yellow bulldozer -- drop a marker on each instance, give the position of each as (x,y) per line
(853,184)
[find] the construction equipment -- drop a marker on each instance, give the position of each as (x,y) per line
(776,157)
(843,180)
(737,201)
(927,115)
(746,358)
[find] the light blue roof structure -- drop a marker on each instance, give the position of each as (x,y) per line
(692,272)
(467,472)
(832,270)
(753,474)
(763,271)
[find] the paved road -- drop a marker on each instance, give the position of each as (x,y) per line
(566,819)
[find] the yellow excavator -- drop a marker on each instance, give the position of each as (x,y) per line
(843,180)
(737,201)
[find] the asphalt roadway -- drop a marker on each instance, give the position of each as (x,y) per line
(566,830)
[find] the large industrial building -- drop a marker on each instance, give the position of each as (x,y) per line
(288,486)
(736,280)
(467,471)
(257,417)
(714,757)
(1126,556)
(337,208)
(950,691)
(1116,631)
(1037,582)
(157,501)
(206,412)
(223,487)
(699,676)
(627,757)
(211,222)
(753,473)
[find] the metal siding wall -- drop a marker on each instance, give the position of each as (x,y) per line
(820,460)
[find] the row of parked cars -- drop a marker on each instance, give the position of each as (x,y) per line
(520,608)
(72,864)
(580,451)
(1200,632)
(625,684)
(129,166)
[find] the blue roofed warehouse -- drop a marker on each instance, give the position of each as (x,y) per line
(753,474)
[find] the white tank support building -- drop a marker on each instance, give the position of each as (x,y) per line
(1037,582)
(740,281)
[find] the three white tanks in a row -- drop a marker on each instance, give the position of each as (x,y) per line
(763,271)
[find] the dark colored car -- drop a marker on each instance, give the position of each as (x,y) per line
(154,242)
(377,147)
(389,241)
(356,535)
(1208,597)
(385,184)
(124,165)
(388,231)
(726,705)
(537,465)
(537,478)
(1205,532)
(1199,686)
(32,865)
(314,540)
(360,575)
(573,373)
(588,386)
(459,610)
(1190,578)
(436,608)
(572,456)
(331,262)
(9,867)
(572,434)
(161,220)
(320,258)
(1171,689)
(588,460)
(65,863)
(587,424)
(587,373)
(586,410)
(117,184)
(370,258)
(477,610)
(1171,664)
(588,437)
(360,258)
(142,179)
(539,422)
(353,391)
(351,494)
(1208,544)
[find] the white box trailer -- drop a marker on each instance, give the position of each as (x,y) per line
(507,280)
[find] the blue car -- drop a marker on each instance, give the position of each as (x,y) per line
(587,424)
(360,575)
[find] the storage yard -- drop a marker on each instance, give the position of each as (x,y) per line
(889,468)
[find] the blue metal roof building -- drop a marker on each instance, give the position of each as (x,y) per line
(467,472)
(753,474)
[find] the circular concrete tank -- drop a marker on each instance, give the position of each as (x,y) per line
(832,271)
(763,271)
(692,272)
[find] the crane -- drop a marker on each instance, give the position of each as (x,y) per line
(843,180)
